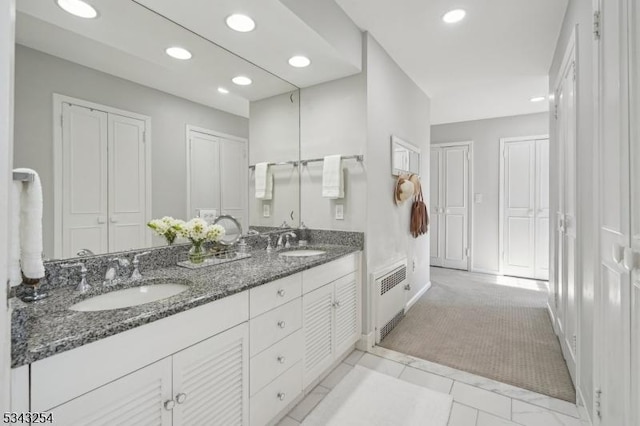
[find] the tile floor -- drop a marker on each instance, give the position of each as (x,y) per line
(477,401)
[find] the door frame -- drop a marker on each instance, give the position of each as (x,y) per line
(187,144)
(503,142)
(469,144)
(58,101)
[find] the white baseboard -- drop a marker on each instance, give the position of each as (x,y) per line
(553,318)
(417,296)
(583,411)
(366,342)
(485,271)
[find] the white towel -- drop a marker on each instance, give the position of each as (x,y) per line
(264,181)
(332,177)
(26,244)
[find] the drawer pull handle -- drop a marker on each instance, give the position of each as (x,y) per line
(181,398)
(281,324)
(336,304)
(281,396)
(168,405)
(281,359)
(281,292)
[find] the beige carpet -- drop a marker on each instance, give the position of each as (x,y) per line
(467,321)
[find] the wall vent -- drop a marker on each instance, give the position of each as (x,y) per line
(393,279)
(391,324)
(390,294)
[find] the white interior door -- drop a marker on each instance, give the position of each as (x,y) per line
(455,218)
(435,237)
(84,180)
(234,164)
(204,173)
(542,210)
(127,183)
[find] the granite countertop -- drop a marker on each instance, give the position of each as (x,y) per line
(47,327)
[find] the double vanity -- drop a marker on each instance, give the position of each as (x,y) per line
(238,343)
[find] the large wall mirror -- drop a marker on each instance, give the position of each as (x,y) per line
(121,132)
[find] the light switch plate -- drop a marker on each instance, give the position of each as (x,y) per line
(208,214)
(339,212)
(266,210)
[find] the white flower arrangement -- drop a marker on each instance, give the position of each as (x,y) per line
(167,227)
(199,231)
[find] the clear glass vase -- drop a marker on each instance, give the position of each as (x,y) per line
(196,253)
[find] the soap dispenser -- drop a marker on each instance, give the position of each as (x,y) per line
(303,235)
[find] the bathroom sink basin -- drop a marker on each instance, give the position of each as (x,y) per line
(132,296)
(302,253)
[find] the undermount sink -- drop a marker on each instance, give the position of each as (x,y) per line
(302,253)
(133,296)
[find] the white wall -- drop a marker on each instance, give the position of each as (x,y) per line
(486,135)
(39,75)
(274,136)
(579,14)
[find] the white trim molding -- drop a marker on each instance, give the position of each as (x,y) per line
(417,296)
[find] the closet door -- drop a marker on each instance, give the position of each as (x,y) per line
(542,210)
(234,164)
(204,173)
(435,234)
(84,181)
(127,184)
(455,196)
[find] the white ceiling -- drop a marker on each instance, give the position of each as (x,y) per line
(488,65)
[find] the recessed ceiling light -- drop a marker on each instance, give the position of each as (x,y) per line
(299,61)
(223,90)
(178,53)
(241,80)
(240,23)
(78,8)
(454,16)
(537,99)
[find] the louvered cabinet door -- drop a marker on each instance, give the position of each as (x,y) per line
(317,317)
(211,381)
(346,308)
(133,400)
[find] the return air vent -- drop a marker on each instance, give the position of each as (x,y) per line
(390,294)
(393,279)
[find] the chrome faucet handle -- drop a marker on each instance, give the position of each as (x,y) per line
(111,276)
(83,286)
(284,225)
(136,275)
(268,238)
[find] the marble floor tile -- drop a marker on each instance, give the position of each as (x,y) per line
(288,421)
(486,419)
(309,402)
(461,415)
(482,399)
(381,365)
(427,380)
(353,357)
(532,415)
(336,375)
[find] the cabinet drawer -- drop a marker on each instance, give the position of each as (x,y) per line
(267,403)
(275,360)
(274,294)
(269,328)
(320,275)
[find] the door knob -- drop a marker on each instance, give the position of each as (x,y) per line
(628,259)
(168,405)
(101,220)
(617,253)
(181,398)
(281,359)
(281,396)
(114,219)
(281,292)
(281,324)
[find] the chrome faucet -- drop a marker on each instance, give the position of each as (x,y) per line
(83,286)
(85,252)
(268,238)
(284,238)
(136,275)
(111,276)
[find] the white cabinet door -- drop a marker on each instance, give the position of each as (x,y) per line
(84,175)
(542,210)
(234,165)
(455,196)
(317,322)
(435,238)
(127,184)
(133,400)
(204,173)
(347,313)
(211,381)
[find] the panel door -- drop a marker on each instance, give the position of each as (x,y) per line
(347,308)
(84,181)
(204,173)
(455,196)
(436,239)
(234,164)
(542,210)
(211,381)
(317,322)
(519,208)
(133,400)
(127,184)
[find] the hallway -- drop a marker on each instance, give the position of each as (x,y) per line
(495,327)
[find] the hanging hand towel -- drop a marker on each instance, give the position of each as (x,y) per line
(332,177)
(28,224)
(264,181)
